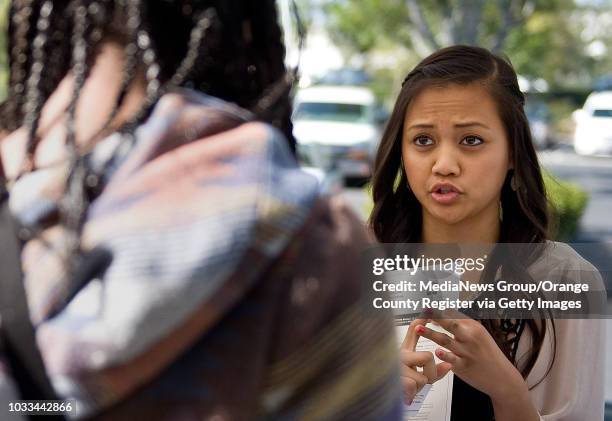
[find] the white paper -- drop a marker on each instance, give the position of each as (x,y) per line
(433,402)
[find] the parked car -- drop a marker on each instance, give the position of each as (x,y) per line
(537,111)
(345,76)
(337,129)
(593,135)
(538,116)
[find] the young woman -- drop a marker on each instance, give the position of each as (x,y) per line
(457,165)
(177,263)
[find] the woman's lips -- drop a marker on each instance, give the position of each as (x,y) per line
(445,198)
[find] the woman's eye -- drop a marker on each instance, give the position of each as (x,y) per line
(472,141)
(423,141)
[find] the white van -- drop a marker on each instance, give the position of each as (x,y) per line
(337,129)
(593,135)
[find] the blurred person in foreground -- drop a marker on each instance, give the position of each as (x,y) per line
(177,263)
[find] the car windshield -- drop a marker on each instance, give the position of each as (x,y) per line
(328,111)
(602,113)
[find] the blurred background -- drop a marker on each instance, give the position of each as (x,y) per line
(357,52)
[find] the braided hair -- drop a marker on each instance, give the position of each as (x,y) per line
(232,50)
(229,49)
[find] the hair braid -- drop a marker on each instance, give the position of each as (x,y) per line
(276,83)
(89,20)
(129,67)
(145,50)
(33,104)
(184,70)
(19,60)
(79,69)
(57,50)
(51,30)
(73,203)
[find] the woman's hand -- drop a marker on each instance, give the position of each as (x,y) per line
(474,356)
(413,380)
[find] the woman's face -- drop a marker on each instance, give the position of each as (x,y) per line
(455,153)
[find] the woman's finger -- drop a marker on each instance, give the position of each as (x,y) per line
(419,378)
(423,359)
(440,338)
(411,338)
(451,320)
(449,357)
(451,325)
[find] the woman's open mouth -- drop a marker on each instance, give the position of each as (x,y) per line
(445,193)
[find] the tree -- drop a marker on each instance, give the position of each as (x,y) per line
(538,35)
(4,8)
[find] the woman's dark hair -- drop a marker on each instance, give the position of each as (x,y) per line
(397,214)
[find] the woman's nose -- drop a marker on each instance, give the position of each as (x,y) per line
(446,162)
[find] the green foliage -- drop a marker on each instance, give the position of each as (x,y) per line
(369,204)
(385,85)
(362,25)
(543,38)
(568,202)
(540,49)
(4,6)
(305,13)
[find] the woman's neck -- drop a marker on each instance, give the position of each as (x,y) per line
(484,228)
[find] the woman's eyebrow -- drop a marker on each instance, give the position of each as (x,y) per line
(471,124)
(421,126)
(458,125)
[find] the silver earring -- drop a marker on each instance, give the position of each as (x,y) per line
(513,183)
